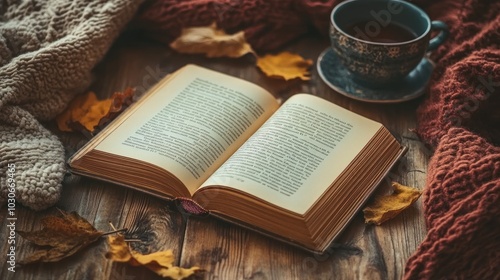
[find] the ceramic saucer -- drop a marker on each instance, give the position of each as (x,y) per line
(339,79)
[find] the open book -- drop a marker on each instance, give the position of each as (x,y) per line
(298,172)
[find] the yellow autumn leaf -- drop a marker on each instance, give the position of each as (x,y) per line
(384,208)
(87,112)
(159,262)
(76,110)
(212,42)
(285,65)
(95,112)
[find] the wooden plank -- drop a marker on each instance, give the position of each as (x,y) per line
(146,218)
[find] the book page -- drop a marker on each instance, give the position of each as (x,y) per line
(192,124)
(295,156)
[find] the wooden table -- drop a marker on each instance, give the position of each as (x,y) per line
(224,250)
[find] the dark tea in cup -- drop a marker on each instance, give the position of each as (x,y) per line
(381,41)
(391,33)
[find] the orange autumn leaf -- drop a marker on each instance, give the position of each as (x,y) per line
(285,65)
(159,262)
(212,42)
(120,99)
(76,110)
(384,208)
(86,111)
(94,113)
(61,237)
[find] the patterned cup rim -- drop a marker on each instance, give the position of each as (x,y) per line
(424,15)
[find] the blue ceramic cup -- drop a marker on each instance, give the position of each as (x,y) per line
(382,41)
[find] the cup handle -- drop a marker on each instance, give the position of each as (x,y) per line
(441,37)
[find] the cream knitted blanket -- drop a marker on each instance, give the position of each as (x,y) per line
(47,51)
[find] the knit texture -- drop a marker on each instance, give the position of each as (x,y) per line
(464,90)
(267,24)
(462,209)
(47,51)
(460,118)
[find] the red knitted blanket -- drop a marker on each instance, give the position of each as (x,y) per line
(460,117)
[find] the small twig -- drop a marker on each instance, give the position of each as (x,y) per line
(133,240)
(111,225)
(61,211)
(115,231)
(411,138)
(415,170)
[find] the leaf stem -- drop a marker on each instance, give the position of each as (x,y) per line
(114,231)
(111,225)
(133,240)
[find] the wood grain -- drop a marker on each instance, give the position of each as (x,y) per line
(224,250)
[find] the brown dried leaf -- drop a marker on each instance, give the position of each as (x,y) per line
(384,208)
(159,262)
(285,65)
(63,237)
(212,42)
(87,112)
(121,101)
